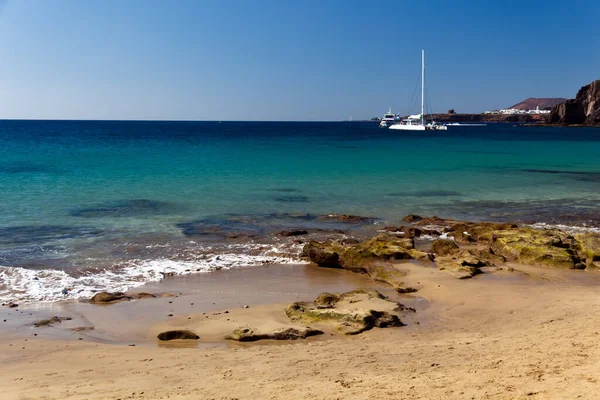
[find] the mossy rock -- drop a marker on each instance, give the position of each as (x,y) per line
(529,246)
(589,248)
(322,254)
(593,266)
(349,321)
(444,247)
(246,334)
(462,264)
(327,299)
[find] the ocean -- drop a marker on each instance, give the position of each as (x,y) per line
(110,205)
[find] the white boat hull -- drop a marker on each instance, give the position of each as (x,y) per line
(401,127)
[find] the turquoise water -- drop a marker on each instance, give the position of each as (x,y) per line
(86,196)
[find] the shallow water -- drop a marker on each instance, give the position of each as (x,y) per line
(90,205)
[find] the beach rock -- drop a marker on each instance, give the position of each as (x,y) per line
(589,248)
(405,290)
(370,257)
(593,266)
(488,254)
(352,312)
(327,300)
(293,233)
(463,264)
(470,232)
(322,254)
(51,321)
(432,221)
(108,298)
(411,218)
(550,248)
(409,231)
(245,334)
(444,247)
(178,334)
(144,295)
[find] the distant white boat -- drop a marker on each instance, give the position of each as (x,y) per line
(417,122)
(388,119)
(459,124)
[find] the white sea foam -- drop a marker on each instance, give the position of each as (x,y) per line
(26,285)
(566,228)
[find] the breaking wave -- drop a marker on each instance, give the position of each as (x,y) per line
(48,285)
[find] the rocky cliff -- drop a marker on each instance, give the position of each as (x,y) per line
(584,109)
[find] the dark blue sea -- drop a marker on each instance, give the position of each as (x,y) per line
(94,205)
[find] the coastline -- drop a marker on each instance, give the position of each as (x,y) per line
(519,331)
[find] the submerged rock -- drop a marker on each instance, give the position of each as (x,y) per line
(298,232)
(346,218)
(178,334)
(245,334)
(108,298)
(351,312)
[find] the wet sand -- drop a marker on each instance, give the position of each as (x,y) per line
(529,334)
(128,322)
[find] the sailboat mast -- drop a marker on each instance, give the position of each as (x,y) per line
(423,87)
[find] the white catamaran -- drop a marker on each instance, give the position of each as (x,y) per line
(417,122)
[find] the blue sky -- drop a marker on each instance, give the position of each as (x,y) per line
(287,60)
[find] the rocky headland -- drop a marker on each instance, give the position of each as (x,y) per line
(583,110)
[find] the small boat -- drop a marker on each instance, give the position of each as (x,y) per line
(388,119)
(459,124)
(417,122)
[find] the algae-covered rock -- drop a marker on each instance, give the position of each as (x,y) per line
(322,254)
(412,218)
(444,247)
(351,312)
(327,299)
(245,334)
(409,231)
(462,264)
(108,298)
(178,334)
(589,249)
(368,257)
(549,248)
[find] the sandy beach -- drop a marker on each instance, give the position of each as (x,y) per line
(529,333)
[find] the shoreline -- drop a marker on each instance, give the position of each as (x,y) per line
(508,329)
